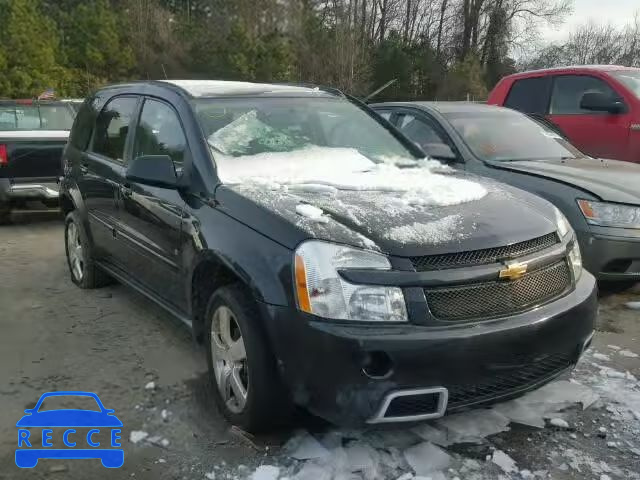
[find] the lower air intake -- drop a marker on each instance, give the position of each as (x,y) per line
(412,405)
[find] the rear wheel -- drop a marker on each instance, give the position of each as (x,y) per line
(84,272)
(247,387)
(5,214)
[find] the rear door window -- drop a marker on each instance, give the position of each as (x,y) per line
(529,95)
(569,89)
(112,127)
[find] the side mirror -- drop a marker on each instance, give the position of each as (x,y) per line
(154,170)
(440,151)
(600,102)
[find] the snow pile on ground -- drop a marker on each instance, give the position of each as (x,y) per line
(430,233)
(347,169)
(424,451)
(620,388)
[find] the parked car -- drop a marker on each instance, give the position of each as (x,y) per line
(599,197)
(32,136)
(322,261)
(596,107)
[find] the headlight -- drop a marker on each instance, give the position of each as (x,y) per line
(576,260)
(564,227)
(610,214)
(321,291)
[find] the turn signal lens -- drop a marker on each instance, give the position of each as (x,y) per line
(301,285)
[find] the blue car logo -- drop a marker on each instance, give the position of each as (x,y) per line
(65,422)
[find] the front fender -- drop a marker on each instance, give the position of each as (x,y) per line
(263,265)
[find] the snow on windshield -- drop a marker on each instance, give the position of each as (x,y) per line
(347,169)
(237,137)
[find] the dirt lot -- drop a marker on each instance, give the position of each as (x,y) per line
(114,342)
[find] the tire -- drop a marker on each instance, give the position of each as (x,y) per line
(82,268)
(5,214)
(266,405)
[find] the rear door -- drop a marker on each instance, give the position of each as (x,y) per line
(150,218)
(102,169)
(599,134)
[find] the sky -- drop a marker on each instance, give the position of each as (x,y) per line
(616,12)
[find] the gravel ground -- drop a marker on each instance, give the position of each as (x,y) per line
(114,342)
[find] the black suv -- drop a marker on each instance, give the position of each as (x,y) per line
(320,259)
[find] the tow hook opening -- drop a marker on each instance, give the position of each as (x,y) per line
(377,365)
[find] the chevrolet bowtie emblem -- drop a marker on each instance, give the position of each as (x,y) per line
(514,271)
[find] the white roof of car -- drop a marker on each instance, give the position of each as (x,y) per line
(214,88)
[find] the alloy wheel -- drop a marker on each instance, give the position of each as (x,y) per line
(229,359)
(75,251)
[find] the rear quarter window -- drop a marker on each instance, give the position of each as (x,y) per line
(83,124)
(529,95)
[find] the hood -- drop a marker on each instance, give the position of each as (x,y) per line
(396,223)
(611,180)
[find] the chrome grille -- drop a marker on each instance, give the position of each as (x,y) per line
(480,257)
(499,298)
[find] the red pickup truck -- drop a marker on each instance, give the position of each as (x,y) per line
(596,107)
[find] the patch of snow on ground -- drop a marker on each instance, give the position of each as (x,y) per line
(425,458)
(628,354)
(137,436)
(504,461)
(473,426)
(311,212)
(559,422)
(266,472)
(347,169)
(434,232)
(601,356)
(633,305)
(305,447)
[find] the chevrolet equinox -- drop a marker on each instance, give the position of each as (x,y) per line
(323,261)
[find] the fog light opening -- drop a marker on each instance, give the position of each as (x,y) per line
(377,365)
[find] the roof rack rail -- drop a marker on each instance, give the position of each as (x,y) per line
(324,88)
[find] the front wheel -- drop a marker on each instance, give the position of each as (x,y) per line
(82,267)
(247,387)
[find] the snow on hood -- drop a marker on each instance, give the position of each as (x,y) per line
(347,169)
(395,222)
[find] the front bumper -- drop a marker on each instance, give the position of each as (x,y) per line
(328,366)
(28,189)
(609,255)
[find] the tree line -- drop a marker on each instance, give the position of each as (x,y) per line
(434,49)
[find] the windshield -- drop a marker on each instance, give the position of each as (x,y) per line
(504,135)
(264,137)
(631,79)
(35,117)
